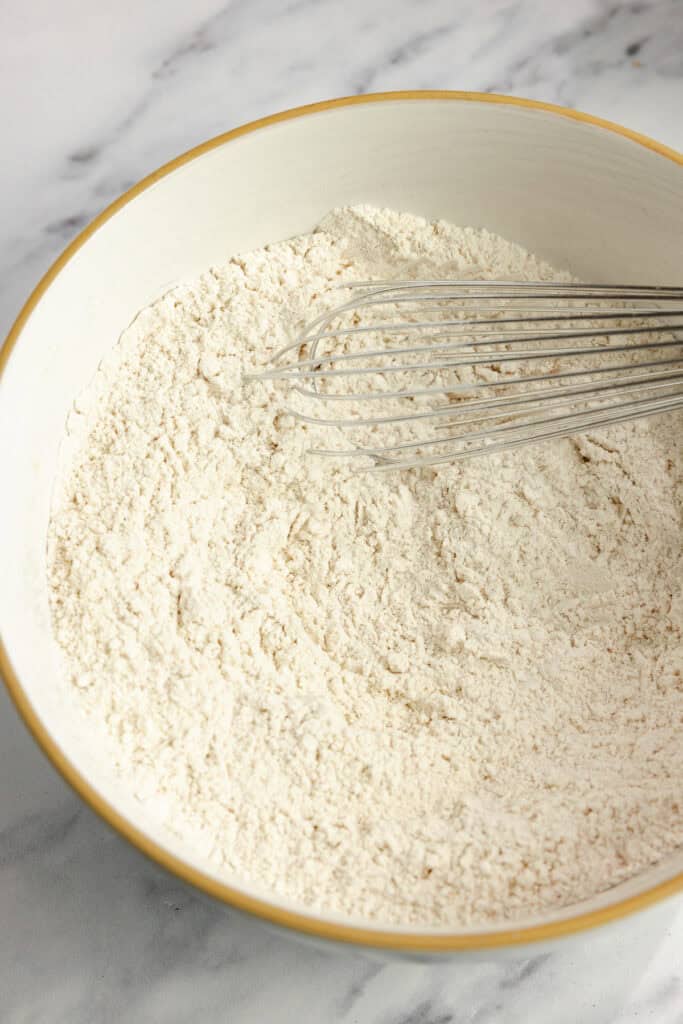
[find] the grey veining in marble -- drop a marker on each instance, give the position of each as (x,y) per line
(97,95)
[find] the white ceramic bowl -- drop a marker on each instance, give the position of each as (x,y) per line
(588,196)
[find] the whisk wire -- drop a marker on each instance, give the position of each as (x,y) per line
(482,345)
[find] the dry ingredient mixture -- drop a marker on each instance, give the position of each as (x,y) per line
(435,698)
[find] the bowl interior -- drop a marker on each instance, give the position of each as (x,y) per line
(585,198)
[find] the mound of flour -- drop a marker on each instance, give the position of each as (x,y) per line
(435,698)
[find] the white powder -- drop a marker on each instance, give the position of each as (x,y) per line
(436,698)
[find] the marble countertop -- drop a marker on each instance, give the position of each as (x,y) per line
(99,95)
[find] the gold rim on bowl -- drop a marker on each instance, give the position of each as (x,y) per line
(406,941)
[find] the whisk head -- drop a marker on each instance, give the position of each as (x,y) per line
(416,373)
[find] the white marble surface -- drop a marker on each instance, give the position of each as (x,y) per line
(95,96)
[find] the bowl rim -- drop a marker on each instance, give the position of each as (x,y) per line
(403,940)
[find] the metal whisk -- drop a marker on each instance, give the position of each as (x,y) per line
(467,368)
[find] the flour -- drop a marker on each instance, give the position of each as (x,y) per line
(437,698)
